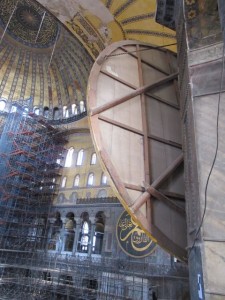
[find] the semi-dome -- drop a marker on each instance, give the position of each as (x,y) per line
(42,65)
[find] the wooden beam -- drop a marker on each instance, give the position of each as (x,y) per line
(133,94)
(164,141)
(134,130)
(140,201)
(145,138)
(120,125)
(144,122)
(164,199)
(175,196)
(175,164)
(144,61)
(134,187)
(119,79)
(163,101)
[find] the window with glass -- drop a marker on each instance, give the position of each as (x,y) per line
(13,109)
(80,157)
(104,179)
(54,242)
(56,113)
(93,159)
(82,106)
(65,112)
(74,109)
(25,110)
(63,184)
(46,112)
(69,158)
(97,240)
(69,232)
(90,179)
(37,111)
(2,105)
(77,180)
(85,232)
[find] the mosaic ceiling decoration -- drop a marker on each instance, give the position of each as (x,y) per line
(203,22)
(53,70)
(99,23)
(42,65)
(28,23)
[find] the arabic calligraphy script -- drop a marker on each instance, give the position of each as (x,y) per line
(132,238)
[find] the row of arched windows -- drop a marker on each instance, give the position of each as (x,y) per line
(87,240)
(75,110)
(13,108)
(2,105)
(90,180)
(69,157)
(80,156)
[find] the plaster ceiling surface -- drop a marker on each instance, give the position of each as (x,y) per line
(98,23)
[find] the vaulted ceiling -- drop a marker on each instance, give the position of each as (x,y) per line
(99,23)
(47,47)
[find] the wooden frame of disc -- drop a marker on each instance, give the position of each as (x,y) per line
(134,118)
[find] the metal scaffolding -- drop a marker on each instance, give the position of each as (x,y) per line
(29,151)
(45,276)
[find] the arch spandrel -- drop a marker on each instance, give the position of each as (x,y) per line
(138,138)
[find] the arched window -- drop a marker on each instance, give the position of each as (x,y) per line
(84,237)
(63,182)
(82,106)
(74,109)
(46,112)
(90,179)
(25,110)
(80,157)
(104,179)
(69,157)
(93,159)
(37,111)
(2,105)
(55,113)
(13,109)
(65,112)
(77,180)
(54,242)
(97,240)
(69,232)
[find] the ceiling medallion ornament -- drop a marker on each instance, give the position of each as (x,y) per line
(29,24)
(28,17)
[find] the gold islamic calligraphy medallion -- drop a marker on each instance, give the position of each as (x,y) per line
(131,238)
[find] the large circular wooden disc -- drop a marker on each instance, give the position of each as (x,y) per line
(135,124)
